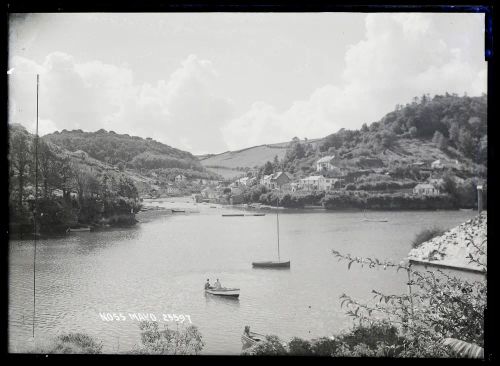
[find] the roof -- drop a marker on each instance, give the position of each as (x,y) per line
(277,174)
(326,159)
(313,177)
(425,185)
(452,249)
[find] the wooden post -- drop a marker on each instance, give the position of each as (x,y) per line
(479,198)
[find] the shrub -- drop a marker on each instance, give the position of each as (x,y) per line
(426,235)
(77,343)
(271,346)
(299,347)
(187,341)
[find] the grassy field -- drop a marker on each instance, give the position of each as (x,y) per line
(246,158)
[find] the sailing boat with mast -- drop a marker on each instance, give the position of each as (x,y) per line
(274,264)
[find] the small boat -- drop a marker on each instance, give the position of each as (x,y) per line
(250,339)
(233,214)
(278,263)
(176,210)
(78,229)
(224,291)
(271,264)
(258,214)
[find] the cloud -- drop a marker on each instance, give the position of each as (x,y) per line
(181,111)
(401,56)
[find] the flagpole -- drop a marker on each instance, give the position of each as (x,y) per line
(36,207)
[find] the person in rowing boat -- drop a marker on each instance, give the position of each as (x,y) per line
(217,285)
(207,285)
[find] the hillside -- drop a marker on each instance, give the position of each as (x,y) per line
(73,188)
(446,127)
(233,163)
(121,149)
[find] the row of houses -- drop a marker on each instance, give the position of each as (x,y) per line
(333,177)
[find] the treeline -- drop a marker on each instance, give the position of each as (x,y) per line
(455,196)
(447,120)
(131,151)
(70,193)
(457,125)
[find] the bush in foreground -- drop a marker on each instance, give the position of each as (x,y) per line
(187,341)
(77,343)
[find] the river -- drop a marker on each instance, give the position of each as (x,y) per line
(160,267)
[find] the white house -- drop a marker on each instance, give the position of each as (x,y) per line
(438,164)
(209,193)
(311,183)
(441,164)
(425,189)
(325,163)
(180,178)
(316,182)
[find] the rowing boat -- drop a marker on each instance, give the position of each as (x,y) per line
(250,339)
(225,292)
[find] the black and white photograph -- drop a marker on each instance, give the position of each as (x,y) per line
(248,183)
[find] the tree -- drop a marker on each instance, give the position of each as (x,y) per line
(454,133)
(387,139)
(268,168)
(440,140)
(466,143)
(20,157)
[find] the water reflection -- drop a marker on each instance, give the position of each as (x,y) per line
(233,302)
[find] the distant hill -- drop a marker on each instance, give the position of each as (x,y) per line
(131,151)
(80,157)
(233,163)
(446,127)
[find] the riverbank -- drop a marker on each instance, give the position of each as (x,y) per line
(342,200)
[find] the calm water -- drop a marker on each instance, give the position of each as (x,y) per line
(160,267)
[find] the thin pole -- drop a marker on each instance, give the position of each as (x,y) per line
(278,228)
(36,207)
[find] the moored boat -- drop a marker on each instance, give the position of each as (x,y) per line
(249,339)
(78,229)
(271,264)
(224,291)
(278,263)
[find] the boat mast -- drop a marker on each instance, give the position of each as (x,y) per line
(278,228)
(35,211)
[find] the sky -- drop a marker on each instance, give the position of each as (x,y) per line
(212,82)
